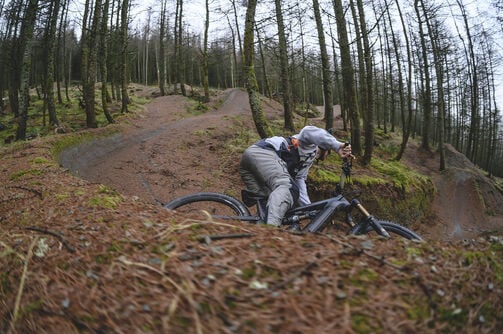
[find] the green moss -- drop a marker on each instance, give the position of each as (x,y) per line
(61,197)
(418,311)
(363,278)
(402,177)
(18,175)
(362,324)
(248,272)
(40,160)
(413,252)
(456,317)
(471,257)
(369,181)
(109,202)
(324,176)
(103,189)
(32,306)
(69,141)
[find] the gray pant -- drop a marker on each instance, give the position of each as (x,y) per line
(265,174)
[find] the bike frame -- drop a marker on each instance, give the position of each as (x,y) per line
(320,212)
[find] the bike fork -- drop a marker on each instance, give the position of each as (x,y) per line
(370,219)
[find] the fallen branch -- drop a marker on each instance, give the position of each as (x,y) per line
(36,192)
(56,234)
(21,286)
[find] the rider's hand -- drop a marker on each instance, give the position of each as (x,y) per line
(345,151)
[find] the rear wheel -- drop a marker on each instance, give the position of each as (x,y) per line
(392,228)
(215,205)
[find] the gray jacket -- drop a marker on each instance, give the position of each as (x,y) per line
(310,138)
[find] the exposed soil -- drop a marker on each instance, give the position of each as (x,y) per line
(95,252)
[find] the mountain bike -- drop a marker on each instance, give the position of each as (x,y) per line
(314,217)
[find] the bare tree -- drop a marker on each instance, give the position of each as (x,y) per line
(249,68)
(162,47)
(325,63)
(206,84)
(123,65)
(406,119)
(368,93)
(25,41)
(283,58)
(426,96)
(102,60)
(347,72)
(50,48)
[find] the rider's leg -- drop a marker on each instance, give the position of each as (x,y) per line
(263,171)
(250,173)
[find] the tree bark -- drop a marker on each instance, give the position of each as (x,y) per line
(103,58)
(348,78)
(325,64)
(426,100)
(406,121)
(124,44)
(206,83)
(369,94)
(162,48)
(49,79)
(26,52)
(251,79)
(283,59)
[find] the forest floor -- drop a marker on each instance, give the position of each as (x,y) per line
(88,248)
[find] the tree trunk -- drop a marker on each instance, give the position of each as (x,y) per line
(251,80)
(103,62)
(25,42)
(426,101)
(178,46)
(325,64)
(162,48)
(206,83)
(406,121)
(124,44)
(264,68)
(369,94)
(240,43)
(348,77)
(283,59)
(49,79)
(474,89)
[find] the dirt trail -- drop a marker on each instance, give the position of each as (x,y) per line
(167,153)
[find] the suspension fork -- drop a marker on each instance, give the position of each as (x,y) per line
(369,219)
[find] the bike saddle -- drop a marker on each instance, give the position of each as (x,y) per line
(250,198)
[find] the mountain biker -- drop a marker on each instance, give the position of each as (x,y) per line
(276,168)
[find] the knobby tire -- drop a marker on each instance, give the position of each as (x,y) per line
(388,226)
(239,208)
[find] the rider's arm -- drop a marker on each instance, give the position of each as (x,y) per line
(300,180)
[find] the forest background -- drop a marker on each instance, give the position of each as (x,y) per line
(423,68)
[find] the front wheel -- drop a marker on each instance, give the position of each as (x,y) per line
(388,226)
(216,205)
